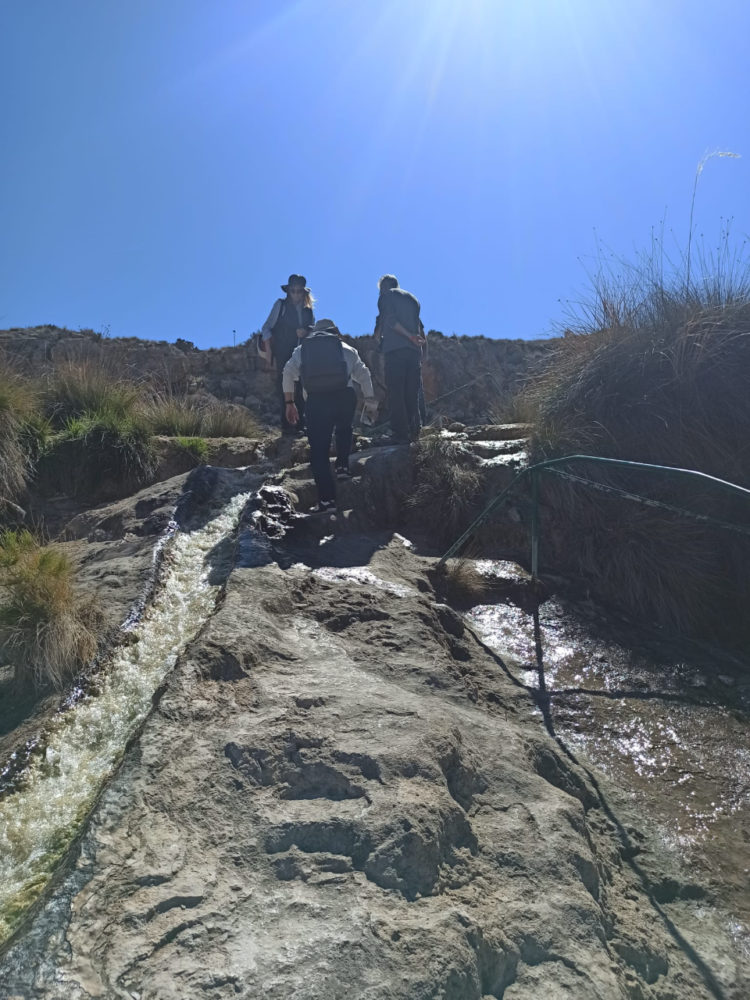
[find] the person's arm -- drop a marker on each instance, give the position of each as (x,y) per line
(273,318)
(291,373)
(415,338)
(390,320)
(302,331)
(359,372)
(289,376)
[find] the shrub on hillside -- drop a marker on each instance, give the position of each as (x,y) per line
(672,388)
(46,633)
(83,387)
(658,374)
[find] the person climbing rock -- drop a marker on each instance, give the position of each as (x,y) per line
(287,323)
(328,368)
(402,339)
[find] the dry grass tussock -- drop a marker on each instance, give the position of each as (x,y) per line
(18,405)
(76,388)
(46,633)
(463,584)
(448,487)
(180,416)
(103,424)
(83,388)
(662,378)
(660,375)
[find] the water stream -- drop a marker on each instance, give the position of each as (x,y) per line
(40,820)
(672,735)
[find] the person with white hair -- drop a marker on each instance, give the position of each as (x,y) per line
(402,335)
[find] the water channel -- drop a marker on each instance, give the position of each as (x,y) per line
(670,733)
(83,744)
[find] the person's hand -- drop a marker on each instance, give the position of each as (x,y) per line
(291,413)
(370,411)
(301,333)
(416,339)
(265,353)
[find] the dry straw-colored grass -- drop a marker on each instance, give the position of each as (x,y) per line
(661,375)
(463,584)
(46,632)
(181,416)
(18,404)
(448,487)
(75,388)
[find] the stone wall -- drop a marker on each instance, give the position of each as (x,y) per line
(488,370)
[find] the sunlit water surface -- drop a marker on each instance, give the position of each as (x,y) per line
(673,735)
(84,744)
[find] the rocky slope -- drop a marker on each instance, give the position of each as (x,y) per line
(491,369)
(342,792)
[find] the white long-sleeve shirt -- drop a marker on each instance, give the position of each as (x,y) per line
(356,369)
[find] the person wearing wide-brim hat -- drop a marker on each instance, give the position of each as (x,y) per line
(287,324)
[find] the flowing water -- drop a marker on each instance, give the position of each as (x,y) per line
(41,818)
(672,735)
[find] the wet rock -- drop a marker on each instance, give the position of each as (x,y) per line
(387,479)
(355,814)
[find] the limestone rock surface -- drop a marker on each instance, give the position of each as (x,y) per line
(342,793)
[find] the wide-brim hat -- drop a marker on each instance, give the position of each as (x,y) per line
(323,326)
(296,281)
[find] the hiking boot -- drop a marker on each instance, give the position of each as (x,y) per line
(324,507)
(342,472)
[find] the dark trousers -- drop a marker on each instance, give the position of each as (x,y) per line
(326,412)
(403,371)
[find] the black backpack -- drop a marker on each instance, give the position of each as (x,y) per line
(323,363)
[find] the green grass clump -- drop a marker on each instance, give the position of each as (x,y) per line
(173,416)
(196,446)
(46,633)
(101,454)
(76,388)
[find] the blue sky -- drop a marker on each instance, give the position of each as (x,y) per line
(166,164)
